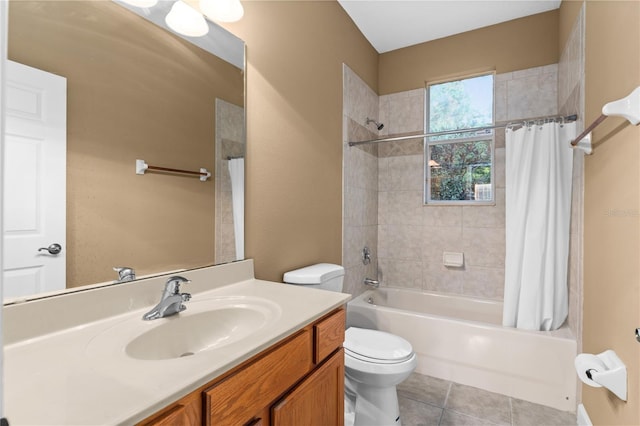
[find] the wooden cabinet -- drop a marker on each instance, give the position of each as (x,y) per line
(317,400)
(328,335)
(242,396)
(299,380)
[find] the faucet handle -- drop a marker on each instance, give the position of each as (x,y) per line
(173,284)
(125,273)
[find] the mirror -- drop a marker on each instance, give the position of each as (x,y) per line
(134,91)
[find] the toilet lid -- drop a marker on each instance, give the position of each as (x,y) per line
(314,274)
(376,345)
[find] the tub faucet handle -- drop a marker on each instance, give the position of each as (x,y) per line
(366,255)
(371,283)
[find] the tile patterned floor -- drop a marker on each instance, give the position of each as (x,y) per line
(427,401)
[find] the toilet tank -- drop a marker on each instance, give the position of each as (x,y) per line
(325,276)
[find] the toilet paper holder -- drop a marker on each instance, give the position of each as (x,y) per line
(605,369)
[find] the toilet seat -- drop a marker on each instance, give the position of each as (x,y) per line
(355,367)
(376,346)
(378,374)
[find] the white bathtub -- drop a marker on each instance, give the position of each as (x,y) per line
(461,339)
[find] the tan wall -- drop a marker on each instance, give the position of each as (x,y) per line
(612,206)
(295,52)
(133,92)
(514,45)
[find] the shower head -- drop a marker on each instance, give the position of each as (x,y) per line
(379,125)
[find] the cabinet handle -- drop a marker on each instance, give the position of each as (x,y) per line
(255,422)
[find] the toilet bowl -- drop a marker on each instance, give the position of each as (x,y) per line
(375,361)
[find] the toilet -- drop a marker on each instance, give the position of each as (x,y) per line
(375,361)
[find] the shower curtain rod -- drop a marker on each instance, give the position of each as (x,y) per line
(567,118)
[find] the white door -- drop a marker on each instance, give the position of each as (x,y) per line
(34,181)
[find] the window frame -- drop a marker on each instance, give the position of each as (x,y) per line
(489,136)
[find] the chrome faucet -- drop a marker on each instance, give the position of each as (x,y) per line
(372,283)
(171,301)
(125,273)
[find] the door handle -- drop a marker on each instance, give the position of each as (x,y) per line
(54,249)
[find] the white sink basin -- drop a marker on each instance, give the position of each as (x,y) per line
(187,335)
(205,325)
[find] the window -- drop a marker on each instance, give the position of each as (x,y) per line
(459,165)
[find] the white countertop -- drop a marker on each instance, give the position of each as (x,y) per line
(60,378)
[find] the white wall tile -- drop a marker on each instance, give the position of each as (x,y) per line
(354,277)
(360,183)
(486,216)
(487,283)
(400,273)
(400,208)
(442,279)
(401,242)
(360,101)
(530,96)
(405,173)
(355,239)
(436,216)
(484,246)
(438,239)
(503,77)
(571,100)
(501,100)
(404,112)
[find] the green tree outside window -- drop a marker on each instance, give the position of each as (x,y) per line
(460,164)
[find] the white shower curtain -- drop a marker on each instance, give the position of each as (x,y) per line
(236,170)
(539,163)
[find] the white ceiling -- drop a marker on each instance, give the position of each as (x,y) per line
(393,24)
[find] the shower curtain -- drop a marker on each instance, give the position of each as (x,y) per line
(539,163)
(236,170)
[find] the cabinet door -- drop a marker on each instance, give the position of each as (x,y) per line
(318,400)
(237,399)
(328,335)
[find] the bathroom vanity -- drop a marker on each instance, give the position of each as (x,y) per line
(245,351)
(297,381)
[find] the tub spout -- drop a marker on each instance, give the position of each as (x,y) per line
(371,283)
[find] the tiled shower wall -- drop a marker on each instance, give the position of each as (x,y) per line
(412,236)
(360,182)
(570,101)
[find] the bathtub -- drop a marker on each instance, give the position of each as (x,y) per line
(461,339)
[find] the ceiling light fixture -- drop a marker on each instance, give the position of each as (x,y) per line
(222,10)
(186,20)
